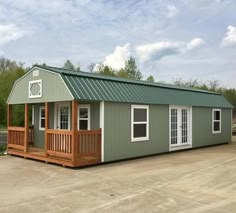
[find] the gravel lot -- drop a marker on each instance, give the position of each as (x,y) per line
(201,180)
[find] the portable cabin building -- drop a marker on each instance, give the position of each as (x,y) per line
(81,118)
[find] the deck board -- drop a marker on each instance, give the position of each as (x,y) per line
(39,154)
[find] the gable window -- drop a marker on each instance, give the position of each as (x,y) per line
(139,123)
(216,121)
(42,118)
(35,89)
(84,117)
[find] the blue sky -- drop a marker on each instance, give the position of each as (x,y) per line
(185,39)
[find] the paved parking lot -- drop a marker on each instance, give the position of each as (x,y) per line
(202,180)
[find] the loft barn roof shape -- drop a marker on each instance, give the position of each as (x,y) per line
(94,87)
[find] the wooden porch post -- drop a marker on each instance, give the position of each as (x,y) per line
(46,128)
(9,115)
(26,138)
(9,120)
(74,131)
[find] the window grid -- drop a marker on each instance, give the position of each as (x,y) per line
(216,122)
(184,126)
(84,118)
(64,117)
(135,125)
(174,126)
(42,118)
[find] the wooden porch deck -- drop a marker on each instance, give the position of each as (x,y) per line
(39,154)
(58,150)
(71,148)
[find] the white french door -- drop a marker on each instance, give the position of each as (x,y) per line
(62,116)
(180,126)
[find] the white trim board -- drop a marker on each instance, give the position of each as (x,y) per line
(102,129)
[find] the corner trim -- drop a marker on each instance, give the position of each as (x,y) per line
(102,129)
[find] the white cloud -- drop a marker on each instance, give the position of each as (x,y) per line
(156,51)
(9,33)
(172,11)
(194,43)
(117,59)
(1,53)
(230,37)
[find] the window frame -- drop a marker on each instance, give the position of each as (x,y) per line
(87,106)
(40,117)
(136,139)
(40,93)
(57,107)
(213,121)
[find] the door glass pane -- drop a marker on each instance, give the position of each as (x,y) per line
(140,115)
(64,117)
(83,112)
(184,126)
(174,127)
(83,125)
(140,130)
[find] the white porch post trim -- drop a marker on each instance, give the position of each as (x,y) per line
(102,128)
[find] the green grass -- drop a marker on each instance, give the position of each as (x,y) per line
(3,127)
(3,148)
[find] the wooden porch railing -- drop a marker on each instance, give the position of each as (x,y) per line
(15,137)
(59,143)
(89,143)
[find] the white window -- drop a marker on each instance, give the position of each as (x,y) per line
(42,118)
(35,89)
(84,117)
(139,123)
(216,121)
(62,116)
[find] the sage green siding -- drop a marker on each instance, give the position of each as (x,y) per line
(38,134)
(202,127)
(53,89)
(95,115)
(117,132)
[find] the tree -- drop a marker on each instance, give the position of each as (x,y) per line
(78,67)
(150,78)
(68,65)
(9,72)
(91,67)
(122,73)
(105,70)
(132,69)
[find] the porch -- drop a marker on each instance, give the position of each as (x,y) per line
(70,147)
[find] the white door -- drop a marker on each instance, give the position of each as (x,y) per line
(179,126)
(63,116)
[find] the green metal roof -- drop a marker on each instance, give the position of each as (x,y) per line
(94,87)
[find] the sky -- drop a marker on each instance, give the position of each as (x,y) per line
(187,39)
